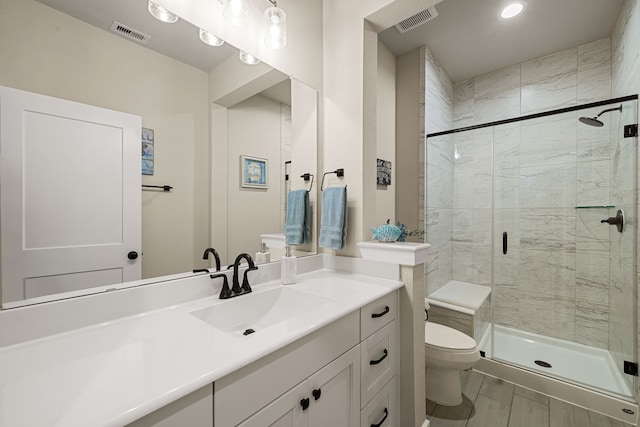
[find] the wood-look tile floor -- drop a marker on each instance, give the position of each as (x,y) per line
(490,402)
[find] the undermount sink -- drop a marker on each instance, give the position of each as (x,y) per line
(259,310)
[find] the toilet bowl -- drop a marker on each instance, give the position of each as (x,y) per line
(447,353)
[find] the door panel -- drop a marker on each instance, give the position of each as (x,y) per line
(70,199)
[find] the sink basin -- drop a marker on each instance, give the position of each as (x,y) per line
(260,310)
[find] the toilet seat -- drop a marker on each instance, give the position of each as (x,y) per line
(440,337)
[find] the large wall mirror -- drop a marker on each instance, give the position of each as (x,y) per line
(207,111)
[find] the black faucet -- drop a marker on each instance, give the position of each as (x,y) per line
(225,293)
(215,255)
(236,289)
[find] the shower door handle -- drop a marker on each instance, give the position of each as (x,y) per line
(504,243)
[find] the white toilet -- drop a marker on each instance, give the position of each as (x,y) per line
(447,353)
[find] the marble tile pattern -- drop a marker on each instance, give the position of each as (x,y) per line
(454,319)
(438,154)
(527,178)
(625,70)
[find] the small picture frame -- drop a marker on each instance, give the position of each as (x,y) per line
(147,151)
(384,172)
(254,172)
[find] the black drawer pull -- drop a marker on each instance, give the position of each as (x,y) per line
(504,243)
(375,362)
(316,393)
(376,315)
(386,414)
(304,403)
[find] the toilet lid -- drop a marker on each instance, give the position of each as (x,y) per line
(437,335)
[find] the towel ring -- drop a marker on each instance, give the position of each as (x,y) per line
(306,177)
(338,172)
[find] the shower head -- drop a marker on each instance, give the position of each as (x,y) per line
(593,121)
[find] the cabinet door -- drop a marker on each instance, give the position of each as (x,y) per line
(335,392)
(286,411)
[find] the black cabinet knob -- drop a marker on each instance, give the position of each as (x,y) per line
(132,255)
(316,393)
(304,403)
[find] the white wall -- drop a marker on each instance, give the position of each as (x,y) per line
(386,134)
(254,129)
(66,58)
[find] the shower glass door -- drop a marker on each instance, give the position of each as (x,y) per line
(563,292)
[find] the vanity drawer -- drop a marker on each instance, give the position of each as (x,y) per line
(375,315)
(384,408)
(378,361)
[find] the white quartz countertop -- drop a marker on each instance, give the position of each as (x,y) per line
(113,373)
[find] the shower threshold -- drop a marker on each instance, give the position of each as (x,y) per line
(587,366)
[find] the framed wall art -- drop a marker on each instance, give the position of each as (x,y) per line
(383,176)
(254,172)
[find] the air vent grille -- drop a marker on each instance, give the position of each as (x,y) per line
(129,33)
(417,20)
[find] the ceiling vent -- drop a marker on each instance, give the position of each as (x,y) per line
(417,20)
(129,33)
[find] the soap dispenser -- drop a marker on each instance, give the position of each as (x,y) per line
(264,256)
(288,267)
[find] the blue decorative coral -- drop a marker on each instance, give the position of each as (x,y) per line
(386,233)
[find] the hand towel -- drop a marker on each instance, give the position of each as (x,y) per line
(333,226)
(297,228)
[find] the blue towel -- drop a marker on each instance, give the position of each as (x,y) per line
(333,227)
(297,228)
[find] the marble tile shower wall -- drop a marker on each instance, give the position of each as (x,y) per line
(557,259)
(625,64)
(438,102)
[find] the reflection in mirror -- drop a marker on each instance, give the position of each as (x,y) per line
(177,86)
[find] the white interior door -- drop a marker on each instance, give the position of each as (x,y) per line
(70,195)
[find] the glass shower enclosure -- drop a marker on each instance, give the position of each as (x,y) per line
(542,209)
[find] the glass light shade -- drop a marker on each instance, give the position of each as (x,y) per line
(234,11)
(276,33)
(162,14)
(210,39)
(513,9)
(248,59)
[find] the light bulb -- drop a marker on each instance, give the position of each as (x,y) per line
(276,32)
(210,39)
(161,14)
(512,10)
(234,11)
(248,58)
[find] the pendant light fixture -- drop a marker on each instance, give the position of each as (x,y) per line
(234,11)
(276,30)
(162,14)
(210,39)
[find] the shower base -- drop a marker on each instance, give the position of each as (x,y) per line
(597,384)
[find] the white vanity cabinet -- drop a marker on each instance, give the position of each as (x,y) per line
(380,363)
(269,391)
(327,398)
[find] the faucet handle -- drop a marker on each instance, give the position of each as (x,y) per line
(246,288)
(225,292)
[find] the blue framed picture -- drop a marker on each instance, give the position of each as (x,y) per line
(254,172)
(147,151)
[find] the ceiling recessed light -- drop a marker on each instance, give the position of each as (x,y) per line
(513,9)
(162,14)
(248,59)
(210,39)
